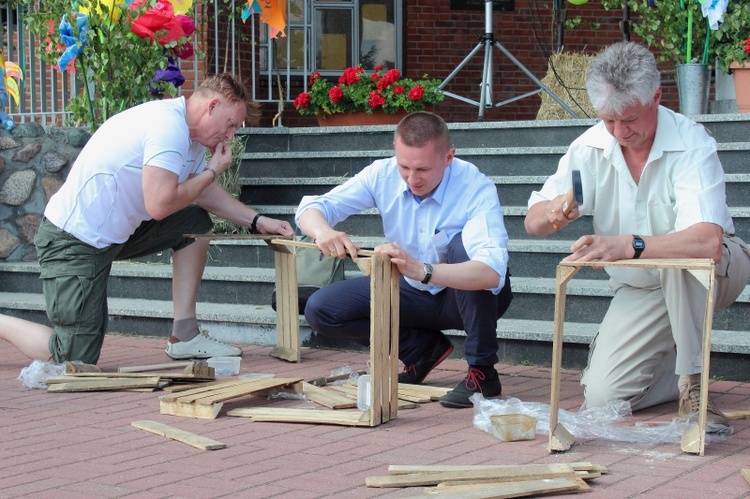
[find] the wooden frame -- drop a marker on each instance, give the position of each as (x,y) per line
(384,323)
(694,438)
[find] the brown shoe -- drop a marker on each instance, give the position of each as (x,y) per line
(689,404)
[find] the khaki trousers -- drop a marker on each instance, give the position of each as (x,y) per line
(650,337)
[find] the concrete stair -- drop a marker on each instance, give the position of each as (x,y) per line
(281,165)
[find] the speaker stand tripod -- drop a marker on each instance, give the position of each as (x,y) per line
(486,42)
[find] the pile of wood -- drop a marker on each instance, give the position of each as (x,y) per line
(492,480)
(337,397)
(89,378)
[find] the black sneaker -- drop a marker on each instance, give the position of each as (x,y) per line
(479,379)
(416,373)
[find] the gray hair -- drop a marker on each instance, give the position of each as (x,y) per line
(623,75)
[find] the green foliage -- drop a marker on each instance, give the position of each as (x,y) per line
(358,91)
(664,26)
(732,39)
(115,67)
(231,181)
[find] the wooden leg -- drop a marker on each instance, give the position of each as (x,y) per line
(559,437)
(287,307)
(383,342)
(694,438)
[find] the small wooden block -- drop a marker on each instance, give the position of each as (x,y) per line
(560,439)
(746,474)
(75,367)
(185,437)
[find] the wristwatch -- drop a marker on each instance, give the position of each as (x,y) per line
(427,273)
(638,246)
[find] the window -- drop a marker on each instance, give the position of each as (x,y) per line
(336,34)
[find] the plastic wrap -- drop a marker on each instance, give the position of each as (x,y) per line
(608,422)
(35,375)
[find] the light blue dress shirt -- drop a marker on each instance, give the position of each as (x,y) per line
(465,201)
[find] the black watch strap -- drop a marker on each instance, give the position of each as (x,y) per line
(638,246)
(427,273)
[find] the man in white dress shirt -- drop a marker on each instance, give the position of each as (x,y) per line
(653,183)
(444,226)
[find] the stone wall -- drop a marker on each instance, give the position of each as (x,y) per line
(34,162)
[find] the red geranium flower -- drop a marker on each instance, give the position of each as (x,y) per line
(351,76)
(336,94)
(376,100)
(416,93)
(302,100)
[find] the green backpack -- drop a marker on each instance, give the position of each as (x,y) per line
(314,270)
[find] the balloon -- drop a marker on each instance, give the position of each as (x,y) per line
(181,6)
(578,2)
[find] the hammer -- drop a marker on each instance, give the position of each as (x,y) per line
(575,194)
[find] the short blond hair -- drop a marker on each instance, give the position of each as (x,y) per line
(233,90)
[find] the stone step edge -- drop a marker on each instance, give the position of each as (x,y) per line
(742,178)
(460,152)
(520,284)
(736,342)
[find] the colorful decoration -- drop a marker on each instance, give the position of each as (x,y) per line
(171,74)
(272,12)
(161,19)
(74,43)
(9,72)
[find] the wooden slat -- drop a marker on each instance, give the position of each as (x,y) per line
(523,488)
(206,402)
(107,384)
(153,367)
(737,414)
(422,391)
(559,437)
(76,367)
(510,473)
(272,414)
(303,244)
(327,397)
(746,474)
(396,469)
(197,441)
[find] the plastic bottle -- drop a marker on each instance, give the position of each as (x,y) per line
(364,392)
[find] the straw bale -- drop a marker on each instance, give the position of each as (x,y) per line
(566,78)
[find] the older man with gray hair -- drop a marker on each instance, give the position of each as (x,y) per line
(654,185)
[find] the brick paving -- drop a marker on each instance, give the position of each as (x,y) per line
(83,445)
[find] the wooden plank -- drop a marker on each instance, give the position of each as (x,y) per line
(77,367)
(511,473)
(241,237)
(107,384)
(303,244)
(393,339)
(734,415)
(433,392)
(197,441)
(523,488)
(153,367)
(559,437)
(183,387)
(396,469)
(326,380)
(327,398)
(163,375)
(278,415)
(206,402)
(746,474)
(655,263)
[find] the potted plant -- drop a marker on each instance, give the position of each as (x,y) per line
(678,32)
(732,47)
(360,97)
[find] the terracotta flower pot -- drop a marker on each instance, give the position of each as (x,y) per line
(741,75)
(360,118)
